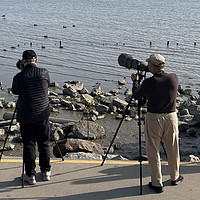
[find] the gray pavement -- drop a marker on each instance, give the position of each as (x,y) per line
(88,180)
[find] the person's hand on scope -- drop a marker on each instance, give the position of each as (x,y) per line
(134,77)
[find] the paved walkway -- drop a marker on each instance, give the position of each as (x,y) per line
(88,180)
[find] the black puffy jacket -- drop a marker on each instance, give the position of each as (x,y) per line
(31,84)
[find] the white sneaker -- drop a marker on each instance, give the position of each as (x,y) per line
(46,176)
(30,179)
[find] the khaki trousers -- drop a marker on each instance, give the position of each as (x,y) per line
(162,126)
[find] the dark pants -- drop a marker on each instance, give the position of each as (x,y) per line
(31,133)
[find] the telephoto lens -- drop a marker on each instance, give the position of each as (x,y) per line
(130,62)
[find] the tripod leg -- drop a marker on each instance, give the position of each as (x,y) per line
(104,158)
(23,165)
(162,143)
(140,145)
(8,132)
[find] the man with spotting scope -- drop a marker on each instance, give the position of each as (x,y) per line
(161,120)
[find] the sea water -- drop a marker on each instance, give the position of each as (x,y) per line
(93,33)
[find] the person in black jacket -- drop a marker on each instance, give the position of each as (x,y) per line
(161,121)
(33,111)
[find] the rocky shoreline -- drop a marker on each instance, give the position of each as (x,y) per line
(92,119)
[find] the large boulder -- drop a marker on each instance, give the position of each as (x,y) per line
(77,145)
(87,129)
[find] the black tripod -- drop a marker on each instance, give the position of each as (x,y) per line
(140,140)
(8,131)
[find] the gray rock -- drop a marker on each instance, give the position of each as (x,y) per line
(54,100)
(51,93)
(128,118)
(84,91)
(112,108)
(53,109)
(187,91)
(96,91)
(192,123)
(7,122)
(8,115)
(184,111)
(193,109)
(58,133)
(93,117)
(2,131)
(1,104)
(133,114)
(108,94)
(84,128)
(183,126)
(114,92)
(186,118)
(197,118)
(122,82)
(2,99)
(54,84)
(80,107)
(8,147)
(70,92)
(61,120)
(100,116)
(119,103)
(10,104)
(102,109)
(77,145)
(128,92)
(75,85)
(94,112)
(66,103)
(181,89)
(106,100)
(194,159)
(192,132)
(83,156)
(12,128)
(88,99)
(118,116)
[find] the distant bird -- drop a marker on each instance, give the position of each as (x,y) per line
(167,43)
(61,45)
(4,16)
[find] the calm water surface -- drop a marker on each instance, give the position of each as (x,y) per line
(95,32)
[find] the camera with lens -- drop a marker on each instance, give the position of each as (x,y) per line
(130,62)
(20,64)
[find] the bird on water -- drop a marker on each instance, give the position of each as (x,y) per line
(4,15)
